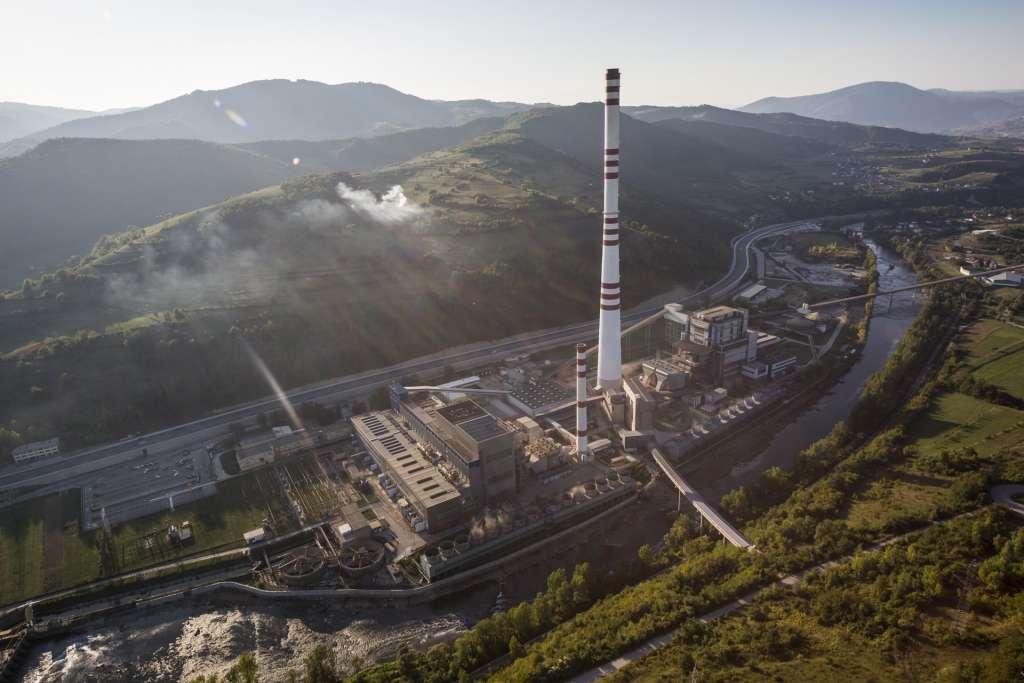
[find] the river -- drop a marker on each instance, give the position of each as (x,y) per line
(888,325)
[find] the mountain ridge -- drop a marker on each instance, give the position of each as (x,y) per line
(274,109)
(896,104)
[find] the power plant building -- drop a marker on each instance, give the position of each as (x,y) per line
(432,496)
(478,446)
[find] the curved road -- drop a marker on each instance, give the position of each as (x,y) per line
(48,472)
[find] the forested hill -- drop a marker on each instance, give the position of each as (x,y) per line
(782,123)
(493,237)
(96,187)
(364,154)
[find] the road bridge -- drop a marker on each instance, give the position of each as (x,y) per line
(920,285)
(706,510)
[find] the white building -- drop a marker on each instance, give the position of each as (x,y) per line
(36,450)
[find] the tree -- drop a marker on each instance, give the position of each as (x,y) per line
(646,555)
(581,585)
(515,648)
(245,670)
(320,665)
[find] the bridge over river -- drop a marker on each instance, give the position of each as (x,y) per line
(706,510)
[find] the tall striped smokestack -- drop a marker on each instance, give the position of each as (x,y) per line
(581,405)
(609,353)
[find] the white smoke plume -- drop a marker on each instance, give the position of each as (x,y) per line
(391,209)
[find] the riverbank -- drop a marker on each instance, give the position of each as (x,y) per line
(776,441)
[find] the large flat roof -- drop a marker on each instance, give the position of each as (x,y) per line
(384,435)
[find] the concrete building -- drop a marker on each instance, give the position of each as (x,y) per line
(676,325)
(436,501)
(668,375)
(478,446)
(718,325)
(752,294)
(718,345)
(36,450)
(1010,278)
(780,362)
(538,397)
(354,528)
(263,449)
(641,406)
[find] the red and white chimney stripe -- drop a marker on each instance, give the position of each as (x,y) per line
(609,355)
(581,402)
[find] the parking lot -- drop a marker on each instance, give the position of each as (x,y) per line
(144,485)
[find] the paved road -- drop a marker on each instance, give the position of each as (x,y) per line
(194,433)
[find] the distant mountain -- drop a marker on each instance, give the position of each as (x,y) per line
(363,154)
(830,132)
(59,198)
(18,119)
(881,103)
(275,110)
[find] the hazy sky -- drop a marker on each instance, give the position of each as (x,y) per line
(115,54)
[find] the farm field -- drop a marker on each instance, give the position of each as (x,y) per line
(41,548)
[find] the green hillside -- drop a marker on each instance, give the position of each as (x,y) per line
(494,237)
(59,198)
(782,123)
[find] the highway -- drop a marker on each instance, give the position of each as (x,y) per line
(66,470)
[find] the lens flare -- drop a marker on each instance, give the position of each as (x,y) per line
(236,118)
(296,161)
(282,397)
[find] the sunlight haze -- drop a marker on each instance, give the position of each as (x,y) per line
(120,54)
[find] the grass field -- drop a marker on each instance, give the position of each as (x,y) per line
(217,521)
(903,491)
(990,337)
(957,420)
(41,549)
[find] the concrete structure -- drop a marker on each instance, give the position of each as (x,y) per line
(543,454)
(718,325)
(755,370)
(706,510)
(476,445)
(435,500)
(355,528)
(261,450)
(719,344)
(530,429)
(755,293)
(779,362)
(581,403)
(540,397)
(665,374)
(36,450)
(1011,278)
(676,324)
(609,355)
(640,414)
